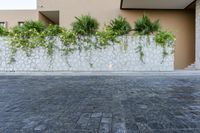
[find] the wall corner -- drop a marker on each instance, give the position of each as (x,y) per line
(197,39)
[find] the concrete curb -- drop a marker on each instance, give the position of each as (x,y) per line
(173,73)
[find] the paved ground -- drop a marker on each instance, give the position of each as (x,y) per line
(99,104)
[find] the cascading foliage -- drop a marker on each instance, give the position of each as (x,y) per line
(3,31)
(84,35)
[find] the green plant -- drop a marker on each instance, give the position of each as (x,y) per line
(165,39)
(37,25)
(25,40)
(50,34)
(84,36)
(107,38)
(3,31)
(68,37)
(139,50)
(144,26)
(85,25)
(69,41)
(119,26)
(27,37)
(53,30)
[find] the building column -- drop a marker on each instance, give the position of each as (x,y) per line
(197,47)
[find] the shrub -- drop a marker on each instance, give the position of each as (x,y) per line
(85,25)
(36,25)
(3,31)
(119,25)
(69,40)
(53,30)
(28,29)
(144,26)
(34,34)
(68,37)
(27,36)
(107,38)
(165,37)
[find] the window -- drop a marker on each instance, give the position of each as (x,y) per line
(3,24)
(20,23)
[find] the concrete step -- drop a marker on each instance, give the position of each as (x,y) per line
(191,67)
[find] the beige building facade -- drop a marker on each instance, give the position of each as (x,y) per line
(178,17)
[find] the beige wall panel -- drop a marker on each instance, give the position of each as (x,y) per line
(103,10)
(13,17)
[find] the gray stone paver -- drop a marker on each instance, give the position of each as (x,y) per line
(105,125)
(99,104)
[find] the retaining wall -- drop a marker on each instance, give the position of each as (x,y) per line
(113,58)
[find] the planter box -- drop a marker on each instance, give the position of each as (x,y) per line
(113,58)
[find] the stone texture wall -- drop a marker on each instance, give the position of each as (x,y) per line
(197,34)
(113,58)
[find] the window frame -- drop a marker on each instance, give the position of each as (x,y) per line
(20,23)
(3,24)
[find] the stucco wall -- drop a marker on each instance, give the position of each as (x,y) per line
(113,58)
(180,22)
(15,16)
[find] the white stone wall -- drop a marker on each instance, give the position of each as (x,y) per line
(113,58)
(197,61)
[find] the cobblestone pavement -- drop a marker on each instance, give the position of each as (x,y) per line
(99,104)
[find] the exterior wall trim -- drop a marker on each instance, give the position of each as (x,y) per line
(121,7)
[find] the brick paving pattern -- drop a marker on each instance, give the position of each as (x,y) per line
(99,104)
